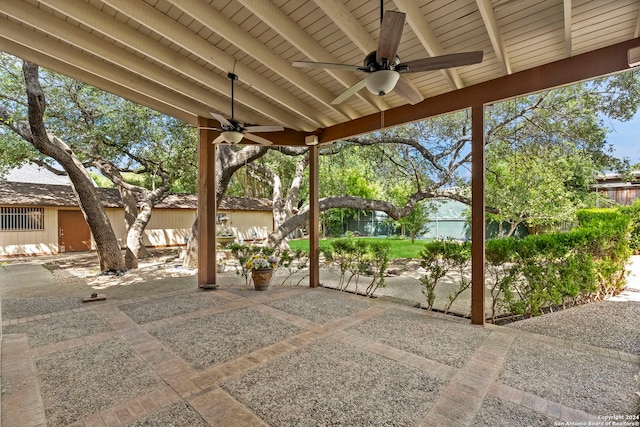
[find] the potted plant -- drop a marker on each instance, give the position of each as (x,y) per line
(221,263)
(261,267)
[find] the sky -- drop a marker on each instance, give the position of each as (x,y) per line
(625,138)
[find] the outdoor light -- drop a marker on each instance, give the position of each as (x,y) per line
(232,137)
(633,56)
(311,139)
(381,82)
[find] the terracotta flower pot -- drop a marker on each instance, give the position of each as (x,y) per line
(261,278)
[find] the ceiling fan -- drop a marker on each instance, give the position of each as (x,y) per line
(383,65)
(232,131)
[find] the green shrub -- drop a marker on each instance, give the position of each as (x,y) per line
(555,269)
(438,259)
(633,212)
(377,260)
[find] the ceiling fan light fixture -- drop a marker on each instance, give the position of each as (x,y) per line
(381,82)
(232,137)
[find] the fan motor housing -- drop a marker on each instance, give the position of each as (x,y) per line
(371,65)
(237,126)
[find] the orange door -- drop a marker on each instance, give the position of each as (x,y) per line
(73,232)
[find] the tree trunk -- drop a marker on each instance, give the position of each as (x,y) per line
(191,252)
(228,160)
(107,247)
(135,220)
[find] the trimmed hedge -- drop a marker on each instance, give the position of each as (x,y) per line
(556,269)
(633,212)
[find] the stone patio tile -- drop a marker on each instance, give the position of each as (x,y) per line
(94,420)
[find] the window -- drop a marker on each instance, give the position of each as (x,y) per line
(21,219)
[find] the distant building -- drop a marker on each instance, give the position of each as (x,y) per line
(45,219)
(617,188)
(34,174)
(448,220)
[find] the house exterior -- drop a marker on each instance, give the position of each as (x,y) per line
(40,219)
(618,187)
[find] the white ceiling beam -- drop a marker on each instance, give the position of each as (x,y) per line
(56,27)
(427,38)
(116,30)
(170,29)
(567,27)
(64,68)
(46,45)
(491,24)
(342,17)
(295,35)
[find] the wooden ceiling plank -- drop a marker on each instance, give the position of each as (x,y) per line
(295,35)
(586,66)
(342,17)
(36,42)
(66,69)
(34,16)
(161,24)
(491,24)
(99,22)
(217,22)
(427,38)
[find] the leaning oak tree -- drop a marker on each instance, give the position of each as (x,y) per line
(144,153)
(230,158)
(33,130)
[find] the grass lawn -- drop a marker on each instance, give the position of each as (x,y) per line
(398,249)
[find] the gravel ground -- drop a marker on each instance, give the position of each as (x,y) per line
(446,342)
(618,330)
(362,389)
(61,328)
(176,415)
(334,305)
(169,306)
(17,308)
(498,413)
(596,384)
(216,339)
(250,292)
(89,379)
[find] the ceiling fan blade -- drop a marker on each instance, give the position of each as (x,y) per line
(216,129)
(258,139)
(264,128)
(218,140)
(309,64)
(222,119)
(390,35)
(348,93)
(408,91)
(440,62)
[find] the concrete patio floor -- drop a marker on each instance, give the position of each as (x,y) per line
(170,354)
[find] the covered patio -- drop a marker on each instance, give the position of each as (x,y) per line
(174,56)
(164,353)
(303,356)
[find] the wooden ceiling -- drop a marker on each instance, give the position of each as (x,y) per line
(174,55)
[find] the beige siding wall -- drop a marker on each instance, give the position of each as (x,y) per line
(32,242)
(168,227)
(244,224)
